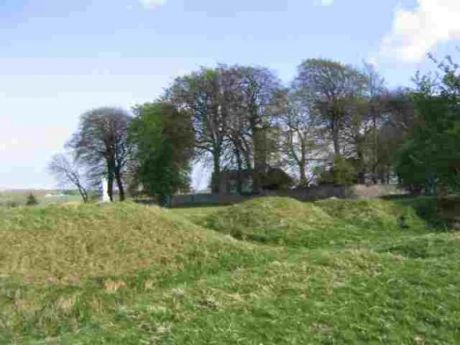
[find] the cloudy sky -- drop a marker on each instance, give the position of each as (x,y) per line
(60,58)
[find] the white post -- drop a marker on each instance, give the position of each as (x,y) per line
(105,191)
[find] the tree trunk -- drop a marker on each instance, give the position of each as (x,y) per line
(303,175)
(260,158)
(121,189)
(302,164)
(335,138)
(110,186)
(375,152)
(239,162)
(362,169)
(83,193)
(110,178)
(216,176)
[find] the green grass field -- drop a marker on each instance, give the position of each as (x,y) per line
(268,271)
(18,197)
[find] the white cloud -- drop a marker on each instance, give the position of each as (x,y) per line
(416,32)
(152,4)
(327,2)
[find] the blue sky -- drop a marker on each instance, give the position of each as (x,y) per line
(60,58)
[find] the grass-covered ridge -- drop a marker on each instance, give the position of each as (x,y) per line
(272,220)
(155,277)
(75,242)
(373,214)
(290,222)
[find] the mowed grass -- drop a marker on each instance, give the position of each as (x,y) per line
(269,271)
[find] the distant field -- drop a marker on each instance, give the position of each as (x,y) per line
(19,196)
(268,271)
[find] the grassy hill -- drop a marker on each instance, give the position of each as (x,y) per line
(333,222)
(268,271)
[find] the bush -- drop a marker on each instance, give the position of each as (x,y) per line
(11,204)
(276,179)
(341,172)
(31,200)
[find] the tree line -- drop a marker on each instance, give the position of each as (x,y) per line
(333,124)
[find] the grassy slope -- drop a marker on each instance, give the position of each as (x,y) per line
(154,277)
(289,222)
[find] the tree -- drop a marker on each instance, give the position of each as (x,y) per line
(357,129)
(261,96)
(201,94)
(232,110)
(31,200)
(239,150)
(69,172)
(332,87)
(376,109)
(302,131)
(397,121)
(163,140)
(341,172)
(101,143)
(362,124)
(430,159)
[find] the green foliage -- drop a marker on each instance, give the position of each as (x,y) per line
(430,159)
(341,172)
(439,213)
(276,179)
(163,138)
(11,204)
(31,200)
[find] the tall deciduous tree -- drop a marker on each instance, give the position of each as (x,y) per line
(239,151)
(163,142)
(430,159)
(376,108)
(333,88)
(397,120)
(261,94)
(302,131)
(101,143)
(201,94)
